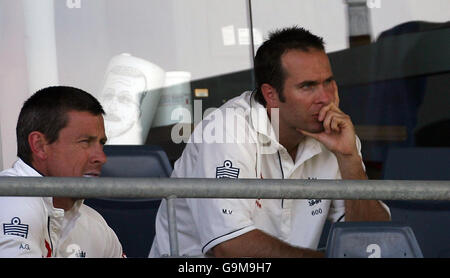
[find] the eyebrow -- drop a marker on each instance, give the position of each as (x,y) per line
(331,78)
(313,82)
(93,138)
(307,83)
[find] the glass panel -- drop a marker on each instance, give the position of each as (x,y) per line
(143,60)
(391,63)
(182,51)
(327,19)
(147,61)
(1,153)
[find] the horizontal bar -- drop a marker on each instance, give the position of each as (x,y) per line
(224,188)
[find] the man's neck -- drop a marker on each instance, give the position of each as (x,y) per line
(291,141)
(63,203)
(289,138)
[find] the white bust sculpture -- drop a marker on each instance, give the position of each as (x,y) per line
(130,96)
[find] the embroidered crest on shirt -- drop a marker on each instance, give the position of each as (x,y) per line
(227,171)
(80,254)
(313,202)
(75,251)
(15,228)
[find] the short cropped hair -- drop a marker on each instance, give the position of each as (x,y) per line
(267,63)
(46,112)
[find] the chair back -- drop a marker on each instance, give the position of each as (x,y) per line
(430,220)
(133,220)
(136,161)
(372,240)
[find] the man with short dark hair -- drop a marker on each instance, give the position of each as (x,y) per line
(60,133)
(290,128)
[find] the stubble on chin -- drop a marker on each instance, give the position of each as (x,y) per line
(317,127)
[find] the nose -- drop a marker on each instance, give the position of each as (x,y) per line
(112,105)
(99,156)
(325,94)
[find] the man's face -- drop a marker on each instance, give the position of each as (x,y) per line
(121,101)
(308,86)
(79,148)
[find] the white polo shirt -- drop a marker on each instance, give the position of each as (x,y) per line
(32,227)
(204,223)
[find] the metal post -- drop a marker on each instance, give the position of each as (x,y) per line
(250,27)
(172,221)
(252,41)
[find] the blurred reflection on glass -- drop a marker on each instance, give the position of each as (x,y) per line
(175,104)
(130,97)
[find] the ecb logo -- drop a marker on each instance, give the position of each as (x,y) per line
(71,4)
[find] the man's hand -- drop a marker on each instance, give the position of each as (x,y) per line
(339,137)
(339,133)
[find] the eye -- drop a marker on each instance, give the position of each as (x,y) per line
(84,142)
(124,100)
(328,82)
(308,87)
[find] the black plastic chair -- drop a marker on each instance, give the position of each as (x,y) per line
(372,240)
(430,220)
(136,161)
(133,220)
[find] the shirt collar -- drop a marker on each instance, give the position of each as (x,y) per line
(261,123)
(26,170)
(308,148)
(59,212)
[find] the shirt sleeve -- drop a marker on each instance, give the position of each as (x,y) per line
(114,247)
(337,211)
(22,227)
(103,236)
(218,220)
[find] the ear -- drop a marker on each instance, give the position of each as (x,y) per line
(38,145)
(270,95)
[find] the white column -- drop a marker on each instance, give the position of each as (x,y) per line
(358,17)
(1,153)
(40,44)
